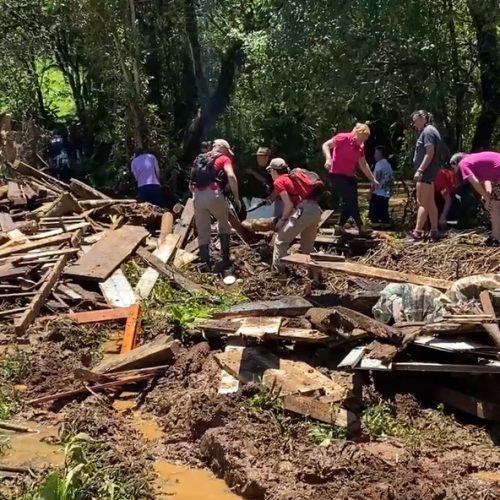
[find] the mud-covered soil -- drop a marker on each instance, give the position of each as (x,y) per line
(261,454)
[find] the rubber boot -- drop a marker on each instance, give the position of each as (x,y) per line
(225,243)
(204,256)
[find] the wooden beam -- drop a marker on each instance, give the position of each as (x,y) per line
(287,306)
(22,323)
(164,253)
(15,195)
(25,169)
(32,245)
(167,226)
(85,191)
(131,329)
(184,223)
(66,203)
(107,254)
(170,273)
(162,349)
(365,271)
(492,328)
(93,316)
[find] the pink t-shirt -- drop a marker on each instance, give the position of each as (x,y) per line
(144,170)
(484,166)
(346,154)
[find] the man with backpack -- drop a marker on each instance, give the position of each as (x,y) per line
(299,190)
(210,174)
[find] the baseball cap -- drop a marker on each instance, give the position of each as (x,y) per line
(224,144)
(263,152)
(277,164)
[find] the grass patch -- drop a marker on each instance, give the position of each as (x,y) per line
(264,401)
(88,472)
(15,367)
(9,402)
(324,434)
(378,420)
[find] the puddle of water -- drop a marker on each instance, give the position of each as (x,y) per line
(123,404)
(149,429)
(182,483)
(30,450)
(487,476)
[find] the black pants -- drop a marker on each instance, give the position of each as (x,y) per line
(346,189)
(379,209)
(152,193)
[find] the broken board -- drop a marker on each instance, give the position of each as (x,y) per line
(117,290)
(259,326)
(184,223)
(288,306)
(107,254)
(364,271)
(257,365)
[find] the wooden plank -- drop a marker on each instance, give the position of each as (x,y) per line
(287,306)
(85,191)
(365,271)
(6,222)
(353,358)
(117,291)
(184,223)
(131,329)
(29,192)
(320,410)
(107,254)
(15,195)
(324,217)
(55,232)
(167,226)
(257,365)
(32,245)
(25,169)
(327,257)
(170,273)
(93,316)
(492,328)
(164,253)
(22,323)
(65,204)
(478,408)
(162,349)
(183,258)
(260,326)
(8,272)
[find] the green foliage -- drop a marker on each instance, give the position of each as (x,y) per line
(82,477)
(264,401)
(324,434)
(9,402)
(378,420)
(15,367)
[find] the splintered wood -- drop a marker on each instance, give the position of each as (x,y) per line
(107,254)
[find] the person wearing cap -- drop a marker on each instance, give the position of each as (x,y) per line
(342,153)
(209,201)
(482,171)
(263,156)
(300,216)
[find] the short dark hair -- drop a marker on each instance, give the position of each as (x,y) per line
(382,150)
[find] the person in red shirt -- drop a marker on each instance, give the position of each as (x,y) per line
(207,186)
(300,216)
(342,153)
(444,188)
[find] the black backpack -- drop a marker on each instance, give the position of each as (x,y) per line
(203,172)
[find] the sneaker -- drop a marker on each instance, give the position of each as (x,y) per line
(415,235)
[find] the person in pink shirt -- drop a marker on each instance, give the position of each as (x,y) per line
(482,171)
(343,152)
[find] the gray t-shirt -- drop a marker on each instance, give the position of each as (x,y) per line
(428,136)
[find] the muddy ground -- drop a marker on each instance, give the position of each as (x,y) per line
(406,450)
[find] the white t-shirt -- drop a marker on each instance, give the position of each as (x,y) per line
(383,173)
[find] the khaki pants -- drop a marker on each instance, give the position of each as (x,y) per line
(304,222)
(206,204)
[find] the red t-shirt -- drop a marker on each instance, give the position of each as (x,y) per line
(219,164)
(445,182)
(346,154)
(284,183)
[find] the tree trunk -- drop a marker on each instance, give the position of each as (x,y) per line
(485,15)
